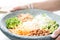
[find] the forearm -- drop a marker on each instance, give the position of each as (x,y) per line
(48,5)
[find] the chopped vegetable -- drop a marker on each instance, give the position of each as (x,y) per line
(12,22)
(52,26)
(44,15)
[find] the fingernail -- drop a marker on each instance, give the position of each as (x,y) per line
(53,36)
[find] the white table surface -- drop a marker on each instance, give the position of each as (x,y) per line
(8,4)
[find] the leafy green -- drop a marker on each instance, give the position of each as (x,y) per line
(12,22)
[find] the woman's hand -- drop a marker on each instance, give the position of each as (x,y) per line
(56,33)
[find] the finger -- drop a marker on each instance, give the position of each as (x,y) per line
(16,8)
(56,33)
(19,8)
(58,38)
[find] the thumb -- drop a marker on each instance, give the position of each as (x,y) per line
(56,33)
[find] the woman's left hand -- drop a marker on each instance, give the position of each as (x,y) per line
(56,33)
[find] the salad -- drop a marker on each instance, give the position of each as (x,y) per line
(29,25)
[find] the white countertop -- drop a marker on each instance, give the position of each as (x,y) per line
(8,4)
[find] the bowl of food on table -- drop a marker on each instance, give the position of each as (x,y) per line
(29,24)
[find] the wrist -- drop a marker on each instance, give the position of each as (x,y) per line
(29,6)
